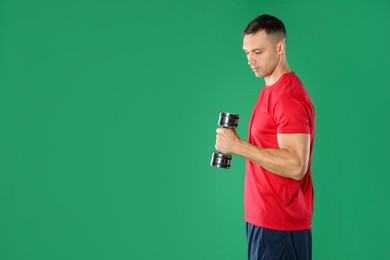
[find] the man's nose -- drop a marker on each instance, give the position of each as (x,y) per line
(251,61)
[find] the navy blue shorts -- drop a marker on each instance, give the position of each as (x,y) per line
(267,244)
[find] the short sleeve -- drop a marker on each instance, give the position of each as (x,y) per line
(291,114)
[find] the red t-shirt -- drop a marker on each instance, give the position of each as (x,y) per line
(272,201)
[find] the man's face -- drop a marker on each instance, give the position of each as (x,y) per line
(262,53)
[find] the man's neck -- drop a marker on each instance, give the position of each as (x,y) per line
(277,74)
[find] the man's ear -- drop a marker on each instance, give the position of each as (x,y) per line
(282,47)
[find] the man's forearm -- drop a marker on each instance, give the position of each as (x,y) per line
(278,161)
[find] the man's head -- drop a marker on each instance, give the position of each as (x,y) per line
(265,44)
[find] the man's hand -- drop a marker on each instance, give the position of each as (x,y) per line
(227,140)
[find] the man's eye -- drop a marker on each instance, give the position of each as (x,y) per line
(258,52)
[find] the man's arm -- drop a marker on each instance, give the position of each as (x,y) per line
(290,160)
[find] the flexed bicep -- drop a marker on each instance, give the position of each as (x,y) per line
(298,145)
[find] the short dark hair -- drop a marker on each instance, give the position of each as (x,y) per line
(271,25)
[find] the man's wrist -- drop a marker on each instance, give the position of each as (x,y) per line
(239,147)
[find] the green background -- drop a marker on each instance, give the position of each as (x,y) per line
(108,111)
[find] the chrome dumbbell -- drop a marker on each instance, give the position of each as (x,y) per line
(227,120)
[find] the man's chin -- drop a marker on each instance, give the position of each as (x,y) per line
(258,75)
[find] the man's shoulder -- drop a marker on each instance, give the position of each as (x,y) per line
(293,86)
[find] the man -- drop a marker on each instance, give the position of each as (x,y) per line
(279,192)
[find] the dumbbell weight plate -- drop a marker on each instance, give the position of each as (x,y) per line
(221,160)
(228,120)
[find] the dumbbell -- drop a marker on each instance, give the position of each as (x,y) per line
(226,120)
